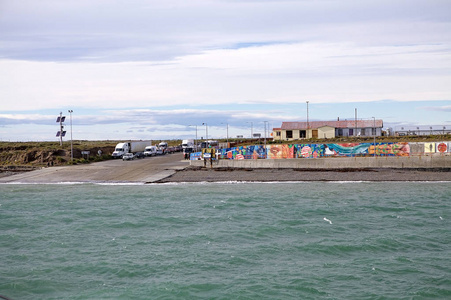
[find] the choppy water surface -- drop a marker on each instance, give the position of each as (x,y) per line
(226,241)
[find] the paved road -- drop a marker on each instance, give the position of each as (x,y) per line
(145,170)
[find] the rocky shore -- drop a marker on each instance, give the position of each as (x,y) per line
(198,174)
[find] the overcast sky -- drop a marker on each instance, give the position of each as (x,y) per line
(143,69)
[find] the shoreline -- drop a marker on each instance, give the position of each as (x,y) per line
(197,174)
(192,174)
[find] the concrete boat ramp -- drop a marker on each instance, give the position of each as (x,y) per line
(147,170)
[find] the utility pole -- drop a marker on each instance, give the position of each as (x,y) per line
(265,136)
(355,123)
(71,144)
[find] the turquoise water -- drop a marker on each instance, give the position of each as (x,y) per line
(226,241)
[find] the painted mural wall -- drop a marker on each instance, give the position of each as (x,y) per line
(287,151)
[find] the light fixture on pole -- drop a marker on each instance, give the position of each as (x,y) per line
(61,133)
(71,144)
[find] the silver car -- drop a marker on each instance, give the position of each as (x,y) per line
(128,156)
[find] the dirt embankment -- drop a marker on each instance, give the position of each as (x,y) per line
(26,157)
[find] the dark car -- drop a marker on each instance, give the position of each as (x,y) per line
(139,155)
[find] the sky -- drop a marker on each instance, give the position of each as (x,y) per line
(145,69)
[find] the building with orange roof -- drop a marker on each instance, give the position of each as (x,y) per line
(327,129)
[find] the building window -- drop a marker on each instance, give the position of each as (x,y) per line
(278,133)
(302,134)
(289,134)
(351,132)
(373,131)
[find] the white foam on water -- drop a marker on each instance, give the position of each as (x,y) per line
(327,220)
(119,183)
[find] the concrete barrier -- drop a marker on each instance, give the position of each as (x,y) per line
(389,162)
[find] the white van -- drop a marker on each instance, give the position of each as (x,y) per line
(150,151)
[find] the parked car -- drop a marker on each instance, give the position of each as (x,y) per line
(160,151)
(128,156)
(139,155)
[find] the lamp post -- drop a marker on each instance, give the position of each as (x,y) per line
(227,124)
(308,125)
(206,134)
(252,129)
(70,111)
(265,122)
(195,141)
(374,134)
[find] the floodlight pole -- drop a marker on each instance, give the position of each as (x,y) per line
(61,128)
(71,144)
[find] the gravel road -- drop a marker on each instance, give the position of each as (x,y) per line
(145,170)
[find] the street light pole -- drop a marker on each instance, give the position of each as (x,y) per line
(265,122)
(206,134)
(195,141)
(71,144)
(308,125)
(374,141)
(227,124)
(252,129)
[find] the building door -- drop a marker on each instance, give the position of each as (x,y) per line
(315,133)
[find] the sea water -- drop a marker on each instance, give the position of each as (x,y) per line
(303,240)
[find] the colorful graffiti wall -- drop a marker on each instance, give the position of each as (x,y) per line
(243,152)
(287,151)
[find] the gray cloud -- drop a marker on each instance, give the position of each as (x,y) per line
(162,30)
(149,120)
(437,108)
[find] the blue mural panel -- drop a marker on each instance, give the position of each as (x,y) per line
(286,151)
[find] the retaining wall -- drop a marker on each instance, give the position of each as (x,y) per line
(420,162)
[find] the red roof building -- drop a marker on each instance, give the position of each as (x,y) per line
(327,129)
